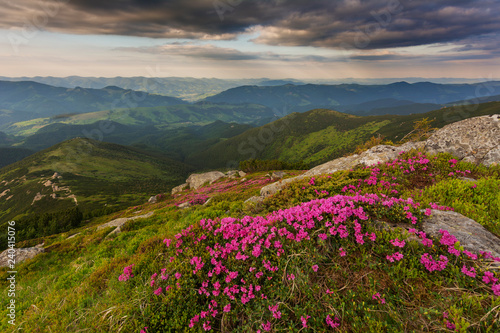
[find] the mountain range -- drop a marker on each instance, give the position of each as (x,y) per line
(28,100)
(354,97)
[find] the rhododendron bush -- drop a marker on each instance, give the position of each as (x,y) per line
(326,264)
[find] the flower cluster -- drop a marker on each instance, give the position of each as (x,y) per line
(127,273)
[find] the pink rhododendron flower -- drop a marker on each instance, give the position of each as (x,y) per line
(304,320)
(333,323)
(469,271)
(397,242)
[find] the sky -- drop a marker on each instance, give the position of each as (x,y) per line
(308,39)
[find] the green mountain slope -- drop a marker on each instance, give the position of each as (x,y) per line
(312,254)
(160,117)
(180,143)
(46,101)
(321,135)
(187,88)
(299,98)
(90,174)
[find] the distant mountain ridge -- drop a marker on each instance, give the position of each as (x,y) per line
(190,89)
(320,135)
(299,98)
(41,100)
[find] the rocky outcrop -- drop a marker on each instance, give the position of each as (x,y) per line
(196,181)
(179,188)
(20,254)
(475,139)
(375,155)
(471,235)
(278,174)
(118,223)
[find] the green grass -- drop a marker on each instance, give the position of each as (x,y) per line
(99,175)
(74,285)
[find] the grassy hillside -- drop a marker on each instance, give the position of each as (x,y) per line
(315,255)
(180,143)
(45,101)
(321,135)
(93,175)
(163,117)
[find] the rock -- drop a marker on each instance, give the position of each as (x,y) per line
(255,200)
(278,174)
(184,205)
(121,221)
(232,174)
(374,155)
(179,188)
(471,235)
(492,157)
(206,202)
(243,180)
(275,187)
(21,254)
(242,173)
(153,199)
(467,179)
(196,181)
(475,139)
(74,235)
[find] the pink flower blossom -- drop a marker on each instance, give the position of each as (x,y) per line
(469,271)
(397,242)
(333,323)
(304,320)
(315,268)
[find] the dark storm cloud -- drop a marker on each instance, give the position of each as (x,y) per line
(348,24)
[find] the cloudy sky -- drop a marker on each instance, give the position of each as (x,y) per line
(327,39)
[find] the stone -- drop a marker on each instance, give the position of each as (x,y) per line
(475,139)
(118,223)
(374,155)
(184,205)
(196,181)
(255,200)
(232,173)
(179,188)
(277,186)
(21,254)
(242,173)
(153,199)
(471,235)
(492,157)
(278,174)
